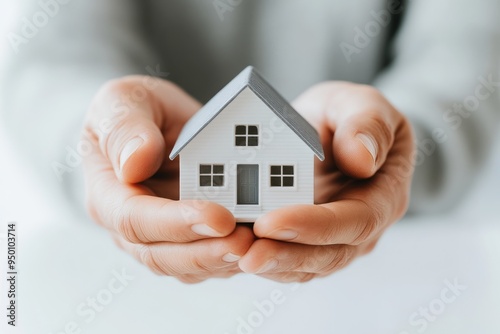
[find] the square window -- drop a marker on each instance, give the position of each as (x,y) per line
(241,130)
(241,141)
(287,181)
(218,180)
(205,169)
(211,175)
(253,130)
(282,176)
(205,181)
(275,170)
(275,181)
(218,169)
(246,135)
(287,170)
(253,141)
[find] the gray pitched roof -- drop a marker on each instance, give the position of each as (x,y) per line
(251,79)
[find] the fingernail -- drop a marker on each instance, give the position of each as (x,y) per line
(205,230)
(284,235)
(369,143)
(129,149)
(230,258)
(270,265)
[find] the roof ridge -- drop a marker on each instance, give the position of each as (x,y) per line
(250,78)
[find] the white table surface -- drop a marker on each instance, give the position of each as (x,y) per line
(64,260)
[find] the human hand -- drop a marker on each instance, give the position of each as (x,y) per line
(361,188)
(132,187)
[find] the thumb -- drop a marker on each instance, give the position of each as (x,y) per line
(362,121)
(138,151)
(365,125)
(129,118)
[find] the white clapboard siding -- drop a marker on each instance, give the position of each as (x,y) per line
(278,145)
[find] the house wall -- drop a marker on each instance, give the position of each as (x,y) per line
(278,145)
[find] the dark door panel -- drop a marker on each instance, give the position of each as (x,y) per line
(247,185)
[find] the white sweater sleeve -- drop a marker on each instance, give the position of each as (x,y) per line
(445,76)
(48,83)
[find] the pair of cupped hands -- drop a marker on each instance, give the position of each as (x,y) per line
(132,188)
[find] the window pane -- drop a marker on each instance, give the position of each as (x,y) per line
(287,181)
(275,181)
(205,169)
(241,130)
(218,180)
(253,141)
(218,169)
(205,181)
(253,130)
(287,170)
(275,170)
(241,141)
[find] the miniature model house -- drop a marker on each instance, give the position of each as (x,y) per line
(248,150)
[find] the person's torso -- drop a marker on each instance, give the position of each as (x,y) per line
(293,43)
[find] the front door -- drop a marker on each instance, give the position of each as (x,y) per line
(247,185)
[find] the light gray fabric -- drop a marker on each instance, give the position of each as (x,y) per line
(442,49)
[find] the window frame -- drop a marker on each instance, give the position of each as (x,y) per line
(247,135)
(282,175)
(211,174)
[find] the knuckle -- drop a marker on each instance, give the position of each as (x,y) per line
(382,128)
(200,266)
(167,85)
(342,256)
(371,225)
(306,277)
(369,248)
(366,231)
(123,223)
(190,279)
(299,262)
(331,87)
(112,88)
(146,255)
(330,230)
(325,238)
(369,91)
(292,277)
(118,86)
(284,277)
